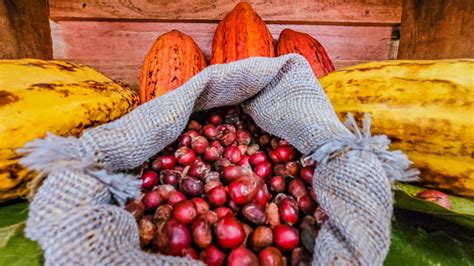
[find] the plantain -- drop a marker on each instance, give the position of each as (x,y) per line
(425,108)
(39,96)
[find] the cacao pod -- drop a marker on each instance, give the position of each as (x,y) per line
(426,109)
(241,34)
(173,59)
(32,94)
(291,41)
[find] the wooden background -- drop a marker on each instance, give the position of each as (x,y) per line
(437,29)
(24,29)
(114,36)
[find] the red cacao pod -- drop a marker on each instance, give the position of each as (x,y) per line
(291,41)
(241,34)
(172,60)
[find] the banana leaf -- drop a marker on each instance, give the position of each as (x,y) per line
(15,248)
(461,212)
(413,245)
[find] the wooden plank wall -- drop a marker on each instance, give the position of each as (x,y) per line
(114,36)
(24,29)
(437,29)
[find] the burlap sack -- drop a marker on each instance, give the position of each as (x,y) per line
(72,217)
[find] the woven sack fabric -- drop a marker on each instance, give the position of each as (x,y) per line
(74,220)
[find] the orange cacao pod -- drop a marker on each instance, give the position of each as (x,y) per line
(173,59)
(241,34)
(291,41)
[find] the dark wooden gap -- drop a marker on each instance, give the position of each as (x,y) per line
(437,29)
(297,22)
(24,29)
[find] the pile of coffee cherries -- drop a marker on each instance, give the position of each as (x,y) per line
(227,193)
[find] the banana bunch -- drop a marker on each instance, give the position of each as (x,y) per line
(425,107)
(38,96)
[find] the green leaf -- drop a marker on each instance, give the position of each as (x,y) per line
(7,232)
(13,214)
(15,248)
(461,212)
(414,246)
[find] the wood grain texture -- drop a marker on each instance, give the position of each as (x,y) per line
(24,29)
(118,48)
(308,11)
(131,40)
(437,29)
